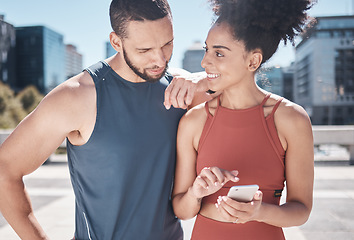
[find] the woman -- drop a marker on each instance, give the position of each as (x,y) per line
(245,135)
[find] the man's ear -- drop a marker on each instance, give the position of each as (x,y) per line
(116,41)
(255,60)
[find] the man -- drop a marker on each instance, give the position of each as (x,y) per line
(121,138)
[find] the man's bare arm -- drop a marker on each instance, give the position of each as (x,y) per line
(29,145)
(187,90)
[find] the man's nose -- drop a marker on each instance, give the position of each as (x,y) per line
(160,58)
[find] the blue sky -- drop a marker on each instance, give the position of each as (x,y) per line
(85,23)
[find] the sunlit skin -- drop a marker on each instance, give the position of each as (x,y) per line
(229,66)
(231,70)
(224,59)
(69,111)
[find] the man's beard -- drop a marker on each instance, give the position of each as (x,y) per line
(144,74)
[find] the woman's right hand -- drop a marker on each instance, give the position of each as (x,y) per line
(210,180)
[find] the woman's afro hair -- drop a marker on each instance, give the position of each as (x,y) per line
(263,23)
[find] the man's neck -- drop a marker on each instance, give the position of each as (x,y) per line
(117,63)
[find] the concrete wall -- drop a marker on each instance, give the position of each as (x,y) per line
(342,135)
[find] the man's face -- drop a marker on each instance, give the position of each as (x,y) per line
(148,48)
(143,73)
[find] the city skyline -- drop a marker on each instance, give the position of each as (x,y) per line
(89,29)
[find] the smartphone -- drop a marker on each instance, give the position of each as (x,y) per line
(243,193)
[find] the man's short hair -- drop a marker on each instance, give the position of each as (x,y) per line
(121,12)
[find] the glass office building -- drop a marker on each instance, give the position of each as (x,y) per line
(324,71)
(7,53)
(40,57)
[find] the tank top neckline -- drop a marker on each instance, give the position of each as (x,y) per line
(219,106)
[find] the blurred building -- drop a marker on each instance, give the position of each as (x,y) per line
(109,50)
(288,82)
(277,80)
(40,54)
(324,71)
(193,58)
(271,79)
(7,53)
(73,61)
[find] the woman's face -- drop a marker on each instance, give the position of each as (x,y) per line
(225,61)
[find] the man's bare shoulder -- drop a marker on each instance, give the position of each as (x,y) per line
(76,86)
(73,92)
(71,102)
(71,106)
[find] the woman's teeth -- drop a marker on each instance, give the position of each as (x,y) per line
(213,75)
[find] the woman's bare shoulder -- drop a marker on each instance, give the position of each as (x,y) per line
(291,118)
(195,114)
(291,111)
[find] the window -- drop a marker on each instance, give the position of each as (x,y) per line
(338,33)
(4,56)
(350,111)
(323,34)
(344,74)
(349,33)
(5,76)
(3,29)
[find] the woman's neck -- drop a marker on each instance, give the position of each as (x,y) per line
(242,97)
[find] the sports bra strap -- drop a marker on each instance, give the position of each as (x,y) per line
(206,106)
(276,105)
(265,99)
(262,103)
(219,101)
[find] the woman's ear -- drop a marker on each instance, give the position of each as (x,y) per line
(116,41)
(255,60)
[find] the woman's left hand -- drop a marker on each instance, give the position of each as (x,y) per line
(239,212)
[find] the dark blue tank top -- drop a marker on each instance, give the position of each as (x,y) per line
(122,176)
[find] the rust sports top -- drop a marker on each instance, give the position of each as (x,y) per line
(247,141)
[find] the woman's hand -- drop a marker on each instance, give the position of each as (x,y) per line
(210,180)
(239,212)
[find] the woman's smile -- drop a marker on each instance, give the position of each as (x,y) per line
(212,76)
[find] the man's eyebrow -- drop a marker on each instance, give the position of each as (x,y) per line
(143,49)
(146,49)
(169,41)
